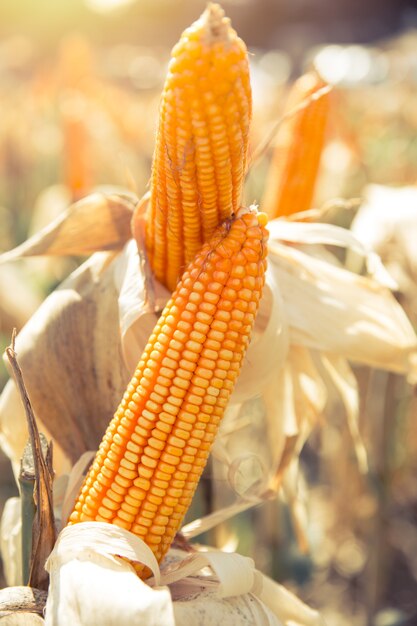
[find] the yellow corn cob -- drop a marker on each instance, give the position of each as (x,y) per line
(200,155)
(299,143)
(155,448)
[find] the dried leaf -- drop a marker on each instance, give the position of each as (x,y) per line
(388,216)
(347,386)
(268,348)
(106,539)
(329,234)
(70,351)
(137,314)
(333,310)
(235,573)
(205,609)
(73,484)
(288,607)
(98,222)
(93,589)
(90,585)
(11,542)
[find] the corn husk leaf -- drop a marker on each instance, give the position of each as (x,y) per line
(333,310)
(316,233)
(91,584)
(387,217)
(387,223)
(138,309)
(71,486)
(11,541)
(86,384)
(344,380)
(98,222)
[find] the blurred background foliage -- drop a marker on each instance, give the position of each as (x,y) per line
(79,90)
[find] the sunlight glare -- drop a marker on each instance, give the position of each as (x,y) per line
(107,6)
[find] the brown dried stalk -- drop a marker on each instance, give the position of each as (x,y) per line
(43,530)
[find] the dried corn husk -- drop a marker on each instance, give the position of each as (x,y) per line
(203,587)
(98,222)
(387,223)
(11,541)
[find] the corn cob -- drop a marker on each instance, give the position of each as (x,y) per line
(155,448)
(299,143)
(200,155)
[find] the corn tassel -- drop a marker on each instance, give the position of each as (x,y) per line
(299,143)
(155,448)
(199,161)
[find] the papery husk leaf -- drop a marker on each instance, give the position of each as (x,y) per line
(91,585)
(252,597)
(203,524)
(208,610)
(346,384)
(310,393)
(11,541)
(328,234)
(98,222)
(105,539)
(292,489)
(138,310)
(236,574)
(73,484)
(94,589)
(333,310)
(290,609)
(388,217)
(70,351)
(268,348)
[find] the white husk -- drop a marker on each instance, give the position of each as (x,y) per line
(388,217)
(11,541)
(333,310)
(319,233)
(387,223)
(90,584)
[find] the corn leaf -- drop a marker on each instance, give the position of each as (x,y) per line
(98,222)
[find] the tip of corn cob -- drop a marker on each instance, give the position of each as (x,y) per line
(215,23)
(253,209)
(200,155)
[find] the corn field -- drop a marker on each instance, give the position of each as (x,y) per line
(208,314)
